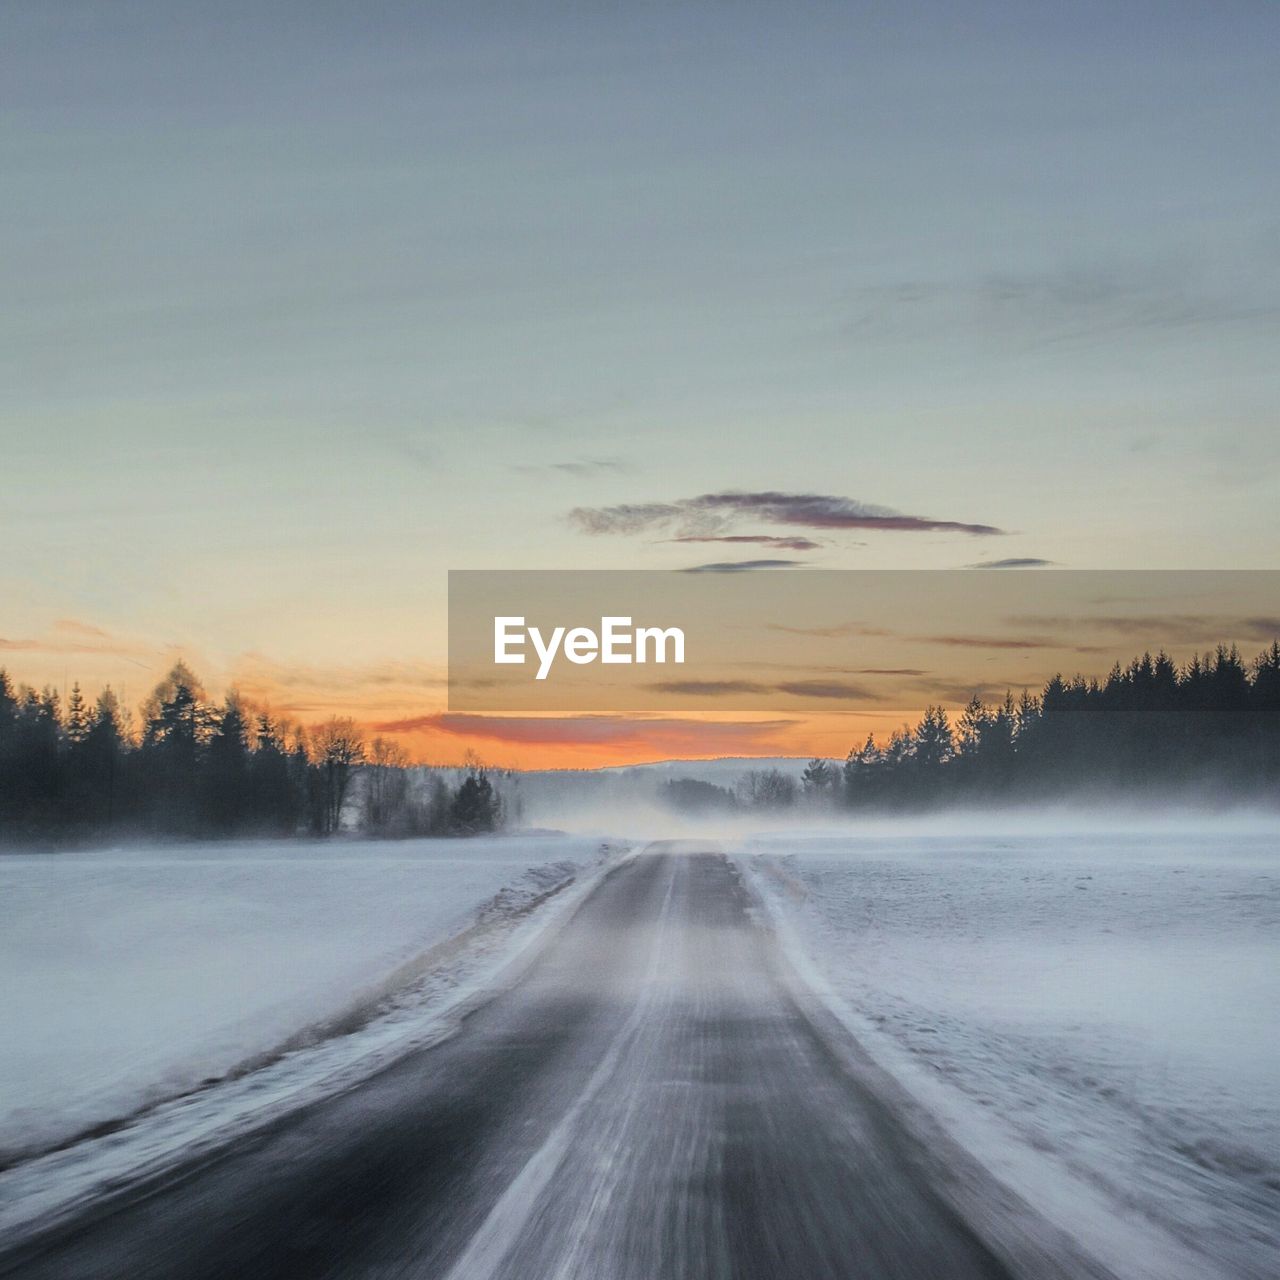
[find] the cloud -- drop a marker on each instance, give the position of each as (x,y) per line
(258,667)
(709,514)
(660,733)
(832,632)
(1012,562)
(582,468)
(759,539)
(733,688)
(840,630)
(70,637)
(1164,628)
(824,689)
(308,691)
(994,642)
(78,628)
(709,688)
(959,692)
(1036,309)
(740,566)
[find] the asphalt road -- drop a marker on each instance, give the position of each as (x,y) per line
(648,1101)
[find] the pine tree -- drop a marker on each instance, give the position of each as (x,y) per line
(78,718)
(475,807)
(226,772)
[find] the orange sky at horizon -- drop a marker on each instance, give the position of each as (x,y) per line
(405,700)
(306,317)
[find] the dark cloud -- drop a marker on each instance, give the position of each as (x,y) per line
(740,566)
(994,642)
(825,689)
(662,733)
(759,539)
(828,669)
(626,517)
(1012,562)
(709,688)
(709,514)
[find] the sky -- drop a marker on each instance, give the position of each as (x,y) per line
(307,304)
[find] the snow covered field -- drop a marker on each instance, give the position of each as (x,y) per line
(1094,1014)
(1097,1015)
(134,975)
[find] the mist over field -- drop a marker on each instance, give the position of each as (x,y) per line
(737,798)
(1076,1003)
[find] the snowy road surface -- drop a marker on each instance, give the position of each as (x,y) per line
(648,1100)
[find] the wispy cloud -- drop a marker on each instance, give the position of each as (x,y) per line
(826,689)
(711,514)
(310,691)
(835,631)
(75,627)
(663,733)
(1012,562)
(995,642)
(580,468)
(951,641)
(1036,309)
(709,688)
(757,539)
(740,566)
(793,688)
(959,691)
(1163,628)
(70,637)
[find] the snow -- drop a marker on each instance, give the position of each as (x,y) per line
(1092,1010)
(1096,1015)
(136,975)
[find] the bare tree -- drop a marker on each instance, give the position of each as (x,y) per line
(386,785)
(337,750)
(767,789)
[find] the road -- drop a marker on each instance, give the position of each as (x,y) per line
(647,1101)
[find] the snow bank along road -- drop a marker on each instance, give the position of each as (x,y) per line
(649,1100)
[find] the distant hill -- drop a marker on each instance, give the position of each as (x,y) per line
(723,771)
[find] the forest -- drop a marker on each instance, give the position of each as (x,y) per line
(1204,731)
(191,767)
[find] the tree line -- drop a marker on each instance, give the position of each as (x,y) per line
(1210,727)
(191,767)
(1207,729)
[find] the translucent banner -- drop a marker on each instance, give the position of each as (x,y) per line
(766,641)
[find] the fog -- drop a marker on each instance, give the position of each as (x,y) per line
(635,801)
(1083,998)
